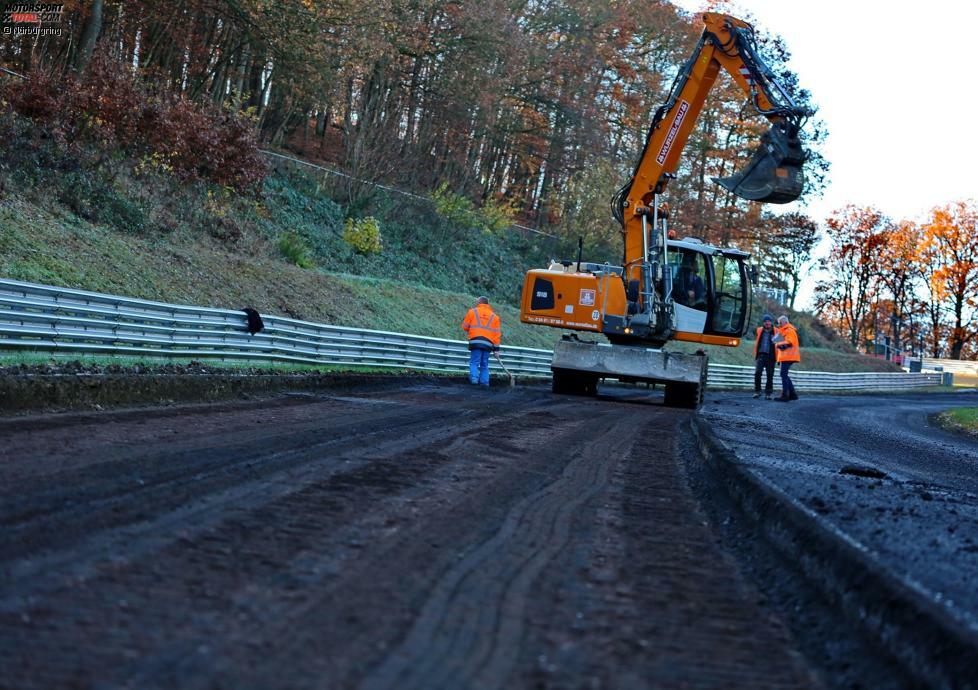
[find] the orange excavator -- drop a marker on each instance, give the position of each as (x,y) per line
(666,288)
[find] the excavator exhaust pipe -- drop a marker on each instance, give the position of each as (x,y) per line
(774,174)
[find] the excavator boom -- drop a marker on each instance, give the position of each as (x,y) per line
(774,173)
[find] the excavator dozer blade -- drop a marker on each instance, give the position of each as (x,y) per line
(774,174)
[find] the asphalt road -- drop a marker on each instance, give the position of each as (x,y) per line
(918,515)
(428,537)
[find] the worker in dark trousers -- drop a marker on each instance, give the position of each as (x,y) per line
(481,325)
(789,352)
(764,357)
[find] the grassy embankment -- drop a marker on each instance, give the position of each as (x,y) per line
(195,250)
(145,235)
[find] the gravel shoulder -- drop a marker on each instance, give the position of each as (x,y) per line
(877,470)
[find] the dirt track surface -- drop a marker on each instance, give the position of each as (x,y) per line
(877,470)
(431,537)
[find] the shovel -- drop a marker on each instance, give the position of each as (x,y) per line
(512,379)
(774,174)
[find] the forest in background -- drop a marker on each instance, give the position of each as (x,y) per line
(903,285)
(534,110)
(497,111)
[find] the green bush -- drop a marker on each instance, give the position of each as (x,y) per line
(454,208)
(292,201)
(496,216)
(363,235)
(459,211)
(296,250)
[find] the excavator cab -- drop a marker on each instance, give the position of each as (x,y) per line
(710,289)
(774,174)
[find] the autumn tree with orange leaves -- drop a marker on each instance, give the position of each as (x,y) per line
(915,282)
(932,308)
(514,103)
(951,237)
(859,236)
(898,277)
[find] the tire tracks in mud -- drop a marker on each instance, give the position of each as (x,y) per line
(283,473)
(237,531)
(453,643)
(346,625)
(132,489)
(426,537)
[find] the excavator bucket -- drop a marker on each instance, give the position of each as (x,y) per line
(774,174)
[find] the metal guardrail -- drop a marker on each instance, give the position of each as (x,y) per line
(730,376)
(43,318)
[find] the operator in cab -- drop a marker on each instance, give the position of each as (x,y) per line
(689,289)
(481,325)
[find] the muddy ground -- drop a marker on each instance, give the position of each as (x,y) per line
(425,534)
(75,385)
(433,536)
(878,470)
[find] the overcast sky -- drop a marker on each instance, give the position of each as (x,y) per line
(895,83)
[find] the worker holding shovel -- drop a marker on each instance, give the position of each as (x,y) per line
(482,326)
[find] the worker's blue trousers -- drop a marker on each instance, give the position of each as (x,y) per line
(787,387)
(479,367)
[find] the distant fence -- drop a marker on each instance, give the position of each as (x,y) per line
(955,366)
(728,376)
(47,319)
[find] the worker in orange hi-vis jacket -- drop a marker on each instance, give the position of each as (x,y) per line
(789,352)
(481,324)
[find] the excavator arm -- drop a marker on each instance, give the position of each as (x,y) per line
(774,174)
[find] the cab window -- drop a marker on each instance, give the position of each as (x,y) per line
(689,278)
(728,315)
